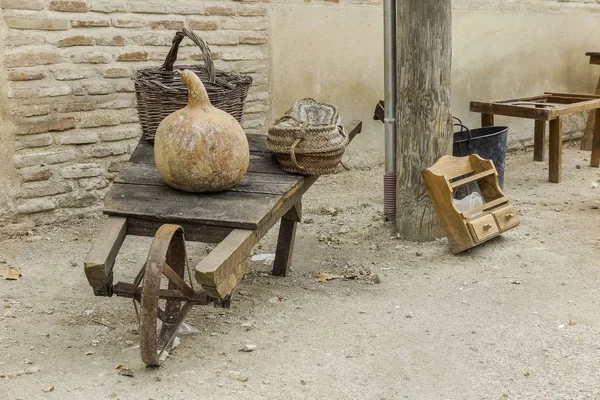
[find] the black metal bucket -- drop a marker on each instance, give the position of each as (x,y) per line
(488,143)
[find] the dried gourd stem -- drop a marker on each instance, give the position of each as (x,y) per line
(197,96)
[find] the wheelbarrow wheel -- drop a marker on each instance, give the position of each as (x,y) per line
(167,257)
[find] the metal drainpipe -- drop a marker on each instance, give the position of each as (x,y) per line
(389,179)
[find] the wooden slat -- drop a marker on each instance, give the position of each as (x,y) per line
(587,96)
(472,178)
(575,107)
(575,95)
(252,182)
(222,269)
(530,98)
(144,152)
(487,206)
(510,111)
(532,104)
(193,232)
(266,163)
(160,203)
(100,260)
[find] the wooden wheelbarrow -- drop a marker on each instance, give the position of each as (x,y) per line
(140,203)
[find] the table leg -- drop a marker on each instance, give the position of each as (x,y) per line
(539,139)
(285,242)
(555,153)
(487,120)
(588,135)
(596,142)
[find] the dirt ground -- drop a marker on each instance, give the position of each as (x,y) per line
(515,318)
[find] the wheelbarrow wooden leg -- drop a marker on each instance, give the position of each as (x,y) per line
(224,267)
(100,260)
(285,242)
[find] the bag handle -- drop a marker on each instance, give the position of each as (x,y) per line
(172,56)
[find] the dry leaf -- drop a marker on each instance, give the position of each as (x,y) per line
(12,274)
(47,390)
(326,276)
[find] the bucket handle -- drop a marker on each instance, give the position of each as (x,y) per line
(464,128)
(468,131)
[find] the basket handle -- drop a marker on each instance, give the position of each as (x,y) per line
(293,156)
(172,56)
(342,129)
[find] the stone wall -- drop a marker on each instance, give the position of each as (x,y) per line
(69,117)
(68,122)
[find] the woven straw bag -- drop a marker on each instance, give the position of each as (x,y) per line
(160,92)
(309,139)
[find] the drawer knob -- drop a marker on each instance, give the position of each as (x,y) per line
(509,216)
(487,227)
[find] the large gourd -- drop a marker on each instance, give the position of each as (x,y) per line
(200,148)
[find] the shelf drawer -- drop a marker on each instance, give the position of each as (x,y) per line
(483,228)
(506,218)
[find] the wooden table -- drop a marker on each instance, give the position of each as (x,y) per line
(140,203)
(548,107)
(586,142)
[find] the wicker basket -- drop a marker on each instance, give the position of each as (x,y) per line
(159,91)
(309,139)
